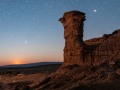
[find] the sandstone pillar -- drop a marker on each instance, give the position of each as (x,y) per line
(73,34)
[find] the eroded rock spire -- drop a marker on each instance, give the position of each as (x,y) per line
(73,23)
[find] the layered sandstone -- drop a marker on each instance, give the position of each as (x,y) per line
(108,47)
(73,23)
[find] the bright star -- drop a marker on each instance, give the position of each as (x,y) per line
(95,10)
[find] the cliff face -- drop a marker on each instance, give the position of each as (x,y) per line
(107,47)
(94,51)
(73,34)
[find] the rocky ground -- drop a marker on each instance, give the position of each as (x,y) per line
(24,78)
(9,82)
(105,76)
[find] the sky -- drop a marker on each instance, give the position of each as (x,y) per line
(30,30)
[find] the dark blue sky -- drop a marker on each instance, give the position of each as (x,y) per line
(30,30)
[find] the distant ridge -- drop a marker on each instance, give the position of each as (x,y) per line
(30,65)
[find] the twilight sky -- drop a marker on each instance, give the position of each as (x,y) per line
(30,30)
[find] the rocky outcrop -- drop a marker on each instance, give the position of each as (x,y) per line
(88,65)
(105,76)
(73,23)
(108,47)
(93,51)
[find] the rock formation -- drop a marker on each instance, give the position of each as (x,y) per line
(73,34)
(77,73)
(94,51)
(107,47)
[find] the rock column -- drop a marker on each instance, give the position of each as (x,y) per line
(73,34)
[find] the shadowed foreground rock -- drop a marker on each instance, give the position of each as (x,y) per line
(74,77)
(22,87)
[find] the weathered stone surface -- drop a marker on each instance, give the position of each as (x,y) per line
(108,47)
(73,34)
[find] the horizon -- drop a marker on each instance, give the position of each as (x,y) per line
(31,63)
(30,31)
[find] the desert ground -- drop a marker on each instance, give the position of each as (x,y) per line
(11,77)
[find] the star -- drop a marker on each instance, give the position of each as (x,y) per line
(94,10)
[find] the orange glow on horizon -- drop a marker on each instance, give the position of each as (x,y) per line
(17,61)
